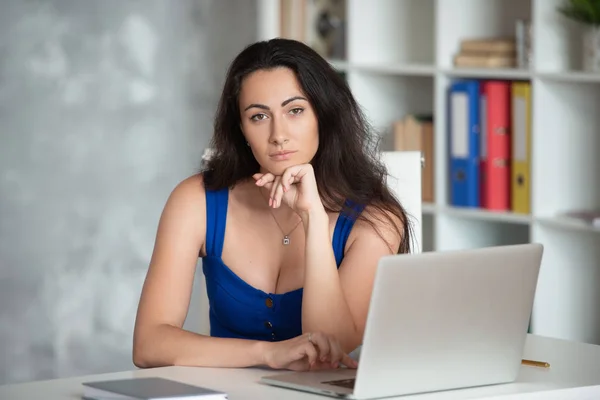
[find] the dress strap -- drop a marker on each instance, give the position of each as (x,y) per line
(216,219)
(343,227)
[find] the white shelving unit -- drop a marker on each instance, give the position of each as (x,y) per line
(399,61)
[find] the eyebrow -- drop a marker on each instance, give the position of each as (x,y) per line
(264,107)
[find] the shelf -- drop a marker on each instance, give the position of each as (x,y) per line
(561,223)
(460,72)
(395,69)
(469,19)
(453,231)
(381,30)
(570,76)
(496,216)
(565,147)
(388,98)
(489,73)
(567,224)
(480,214)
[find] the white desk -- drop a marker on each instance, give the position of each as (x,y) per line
(571,365)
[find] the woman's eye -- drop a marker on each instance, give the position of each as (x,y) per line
(296,110)
(258,117)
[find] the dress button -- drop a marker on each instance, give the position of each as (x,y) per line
(268,325)
(269,302)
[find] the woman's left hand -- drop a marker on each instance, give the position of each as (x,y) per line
(296,187)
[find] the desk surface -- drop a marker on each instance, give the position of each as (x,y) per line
(571,365)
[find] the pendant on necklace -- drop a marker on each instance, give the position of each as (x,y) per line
(286,240)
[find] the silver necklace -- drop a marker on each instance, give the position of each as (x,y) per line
(286,238)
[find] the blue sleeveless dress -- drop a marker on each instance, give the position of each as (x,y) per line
(239,310)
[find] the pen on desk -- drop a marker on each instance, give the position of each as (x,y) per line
(532,363)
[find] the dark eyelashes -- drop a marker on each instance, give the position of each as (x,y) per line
(295,111)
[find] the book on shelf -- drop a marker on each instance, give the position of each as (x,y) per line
(148,389)
(496,52)
(489,152)
(495,122)
(464,137)
(521,147)
(415,132)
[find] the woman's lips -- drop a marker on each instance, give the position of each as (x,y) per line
(282,155)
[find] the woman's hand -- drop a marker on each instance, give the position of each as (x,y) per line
(307,352)
(297,187)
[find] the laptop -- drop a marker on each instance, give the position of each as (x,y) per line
(437,321)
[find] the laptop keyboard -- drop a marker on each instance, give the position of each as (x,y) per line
(345,383)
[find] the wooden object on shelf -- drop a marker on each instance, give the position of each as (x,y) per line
(321,24)
(416,133)
(489,45)
(292,19)
(484,61)
(487,53)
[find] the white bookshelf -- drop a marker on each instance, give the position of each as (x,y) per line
(399,60)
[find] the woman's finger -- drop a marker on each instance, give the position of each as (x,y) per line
(293,175)
(311,353)
(348,361)
(273,194)
(336,351)
(265,179)
(323,345)
(288,178)
(279,192)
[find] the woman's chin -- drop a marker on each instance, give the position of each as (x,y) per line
(278,168)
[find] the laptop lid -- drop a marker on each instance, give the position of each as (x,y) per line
(444,320)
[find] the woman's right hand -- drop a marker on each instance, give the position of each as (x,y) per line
(310,351)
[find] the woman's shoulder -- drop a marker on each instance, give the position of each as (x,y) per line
(190,187)
(377,223)
(187,197)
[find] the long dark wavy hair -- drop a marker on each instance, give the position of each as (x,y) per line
(346,164)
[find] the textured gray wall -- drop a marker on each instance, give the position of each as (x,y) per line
(104,106)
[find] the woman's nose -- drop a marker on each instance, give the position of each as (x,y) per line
(278,132)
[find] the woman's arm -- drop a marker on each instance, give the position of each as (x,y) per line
(336,301)
(158,336)
(324,304)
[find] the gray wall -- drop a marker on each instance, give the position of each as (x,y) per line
(104,106)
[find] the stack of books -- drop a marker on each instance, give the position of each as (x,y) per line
(497,52)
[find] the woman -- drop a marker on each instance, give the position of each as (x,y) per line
(290,216)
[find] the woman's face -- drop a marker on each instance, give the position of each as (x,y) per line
(278,122)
